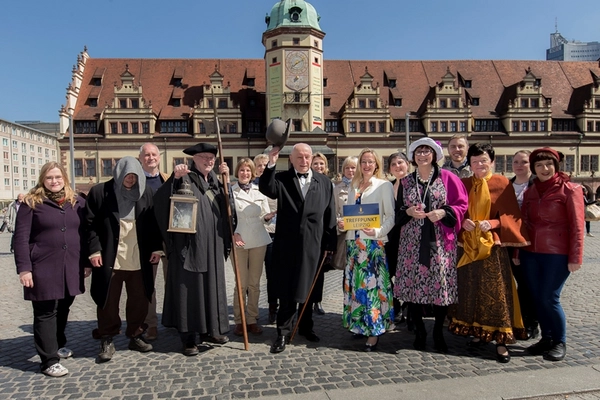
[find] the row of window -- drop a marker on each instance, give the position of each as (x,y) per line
(86,167)
(15,157)
(367,126)
(17,183)
(255,126)
(591,124)
(15,146)
(23,170)
(23,133)
(448,126)
(587,163)
(128,127)
(531,126)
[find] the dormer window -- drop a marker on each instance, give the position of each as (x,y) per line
(97,81)
(93,102)
(398,102)
(392,83)
(135,103)
(468,84)
(123,103)
(176,102)
(475,101)
(326,101)
(222,103)
(538,82)
(177,82)
(324,82)
(251,81)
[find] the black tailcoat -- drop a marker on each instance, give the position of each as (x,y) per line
(305,228)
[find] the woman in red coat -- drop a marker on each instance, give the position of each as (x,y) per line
(49,263)
(554,216)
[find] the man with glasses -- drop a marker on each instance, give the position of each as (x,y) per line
(195,292)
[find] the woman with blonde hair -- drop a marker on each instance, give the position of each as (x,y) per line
(319,163)
(48,243)
(250,240)
(340,192)
(368,306)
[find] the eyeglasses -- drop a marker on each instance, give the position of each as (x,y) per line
(425,152)
(208,158)
(54,178)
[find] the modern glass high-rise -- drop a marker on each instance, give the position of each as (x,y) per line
(562,49)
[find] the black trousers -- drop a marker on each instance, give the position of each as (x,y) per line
(49,323)
(526,301)
(271,284)
(285,317)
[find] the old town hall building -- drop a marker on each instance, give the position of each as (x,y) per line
(337,106)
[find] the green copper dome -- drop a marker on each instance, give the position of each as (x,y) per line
(293,13)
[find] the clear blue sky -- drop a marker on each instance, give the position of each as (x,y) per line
(40,39)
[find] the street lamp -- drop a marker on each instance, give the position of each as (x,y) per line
(72,147)
(407,131)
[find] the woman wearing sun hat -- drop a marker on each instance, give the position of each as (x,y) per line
(430,206)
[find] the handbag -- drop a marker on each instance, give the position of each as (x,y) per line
(592,212)
(3,227)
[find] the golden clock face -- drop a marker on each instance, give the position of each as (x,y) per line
(296,62)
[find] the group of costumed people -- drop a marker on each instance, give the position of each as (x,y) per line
(454,244)
(444,243)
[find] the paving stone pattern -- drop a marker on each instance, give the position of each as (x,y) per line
(230,372)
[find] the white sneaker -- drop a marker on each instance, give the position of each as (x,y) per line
(589,235)
(55,370)
(63,352)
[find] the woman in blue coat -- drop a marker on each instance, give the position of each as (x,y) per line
(49,262)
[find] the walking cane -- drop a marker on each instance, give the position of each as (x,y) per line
(308,297)
(238,282)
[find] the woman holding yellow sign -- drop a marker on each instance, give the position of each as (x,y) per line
(368,306)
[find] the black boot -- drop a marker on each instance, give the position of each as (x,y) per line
(420,332)
(557,352)
(439,343)
(420,342)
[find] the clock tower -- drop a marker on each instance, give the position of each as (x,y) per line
(294,65)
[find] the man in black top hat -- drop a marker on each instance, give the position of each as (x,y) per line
(195,292)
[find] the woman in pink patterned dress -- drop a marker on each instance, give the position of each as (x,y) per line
(431,203)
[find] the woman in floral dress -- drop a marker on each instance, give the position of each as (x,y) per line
(431,203)
(368,306)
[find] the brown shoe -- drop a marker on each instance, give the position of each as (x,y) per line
(255,329)
(238,330)
(151,333)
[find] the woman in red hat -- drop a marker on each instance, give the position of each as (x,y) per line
(553,213)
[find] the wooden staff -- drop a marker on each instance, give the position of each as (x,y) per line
(238,282)
(308,297)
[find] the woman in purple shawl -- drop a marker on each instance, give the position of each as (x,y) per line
(431,203)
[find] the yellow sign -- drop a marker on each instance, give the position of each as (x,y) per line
(361,216)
